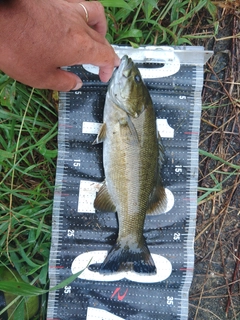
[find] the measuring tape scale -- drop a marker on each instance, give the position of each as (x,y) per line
(78,234)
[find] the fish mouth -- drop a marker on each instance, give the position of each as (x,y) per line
(119,81)
(124,69)
(125,66)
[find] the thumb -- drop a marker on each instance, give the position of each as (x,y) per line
(61,80)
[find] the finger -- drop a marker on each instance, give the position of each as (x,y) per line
(105,72)
(62,80)
(96,15)
(101,55)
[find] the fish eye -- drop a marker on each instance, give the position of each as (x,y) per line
(137,78)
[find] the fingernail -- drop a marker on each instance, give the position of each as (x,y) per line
(78,85)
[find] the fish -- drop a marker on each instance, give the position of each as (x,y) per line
(132,161)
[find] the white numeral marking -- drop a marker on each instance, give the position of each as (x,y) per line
(77,163)
(178,169)
(70,233)
(176,236)
(170,300)
(67,289)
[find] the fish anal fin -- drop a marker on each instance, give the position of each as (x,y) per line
(103,201)
(157,200)
(101,134)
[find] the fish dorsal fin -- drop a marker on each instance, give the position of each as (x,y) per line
(157,199)
(103,201)
(101,134)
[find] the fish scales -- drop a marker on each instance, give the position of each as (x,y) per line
(129,170)
(132,175)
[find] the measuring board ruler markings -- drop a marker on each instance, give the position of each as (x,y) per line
(81,235)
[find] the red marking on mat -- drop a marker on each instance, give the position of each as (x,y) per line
(119,296)
(186,269)
(62,194)
(191,132)
(65,125)
(56,267)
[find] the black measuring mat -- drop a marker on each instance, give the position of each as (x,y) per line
(79,234)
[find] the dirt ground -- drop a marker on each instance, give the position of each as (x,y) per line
(215,291)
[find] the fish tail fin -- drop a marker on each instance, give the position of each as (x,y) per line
(123,257)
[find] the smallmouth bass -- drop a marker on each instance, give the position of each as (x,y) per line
(132,158)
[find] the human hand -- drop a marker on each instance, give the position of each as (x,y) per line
(39,37)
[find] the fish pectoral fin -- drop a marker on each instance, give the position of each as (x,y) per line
(128,129)
(101,134)
(157,200)
(103,201)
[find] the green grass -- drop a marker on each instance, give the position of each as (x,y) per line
(157,22)
(28,128)
(28,145)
